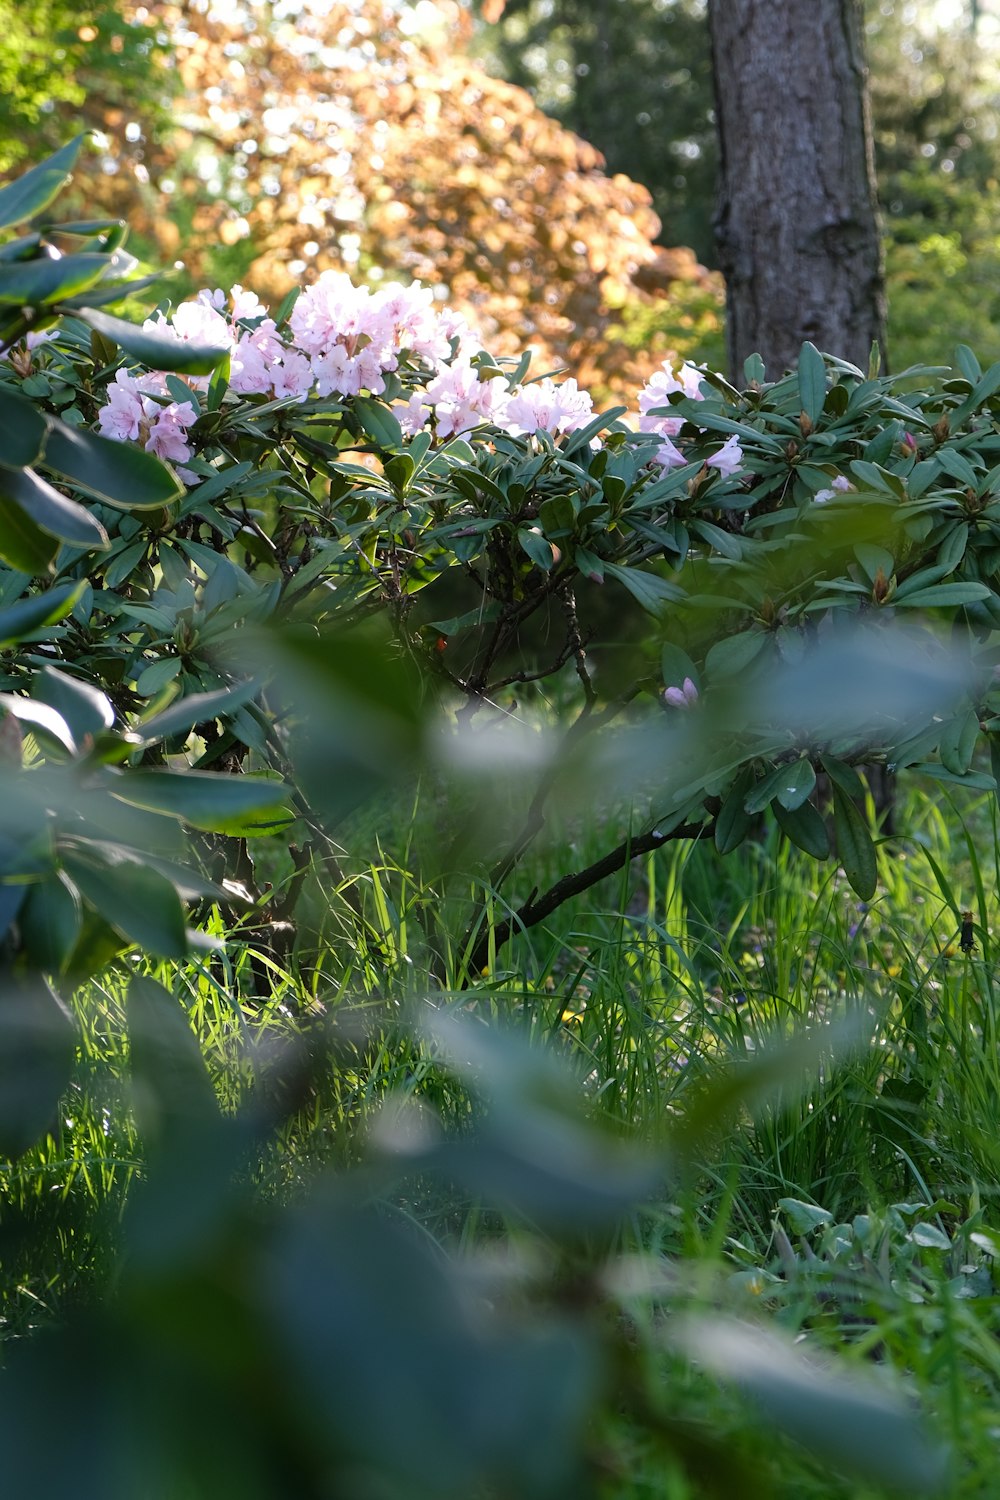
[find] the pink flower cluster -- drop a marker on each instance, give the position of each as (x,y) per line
(343,340)
(354,336)
(139,410)
(463,396)
(654,399)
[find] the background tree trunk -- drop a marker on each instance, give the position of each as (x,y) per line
(796,224)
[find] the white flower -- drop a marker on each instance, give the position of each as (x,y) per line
(729,459)
(544,406)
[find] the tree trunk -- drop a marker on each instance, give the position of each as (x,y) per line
(796,224)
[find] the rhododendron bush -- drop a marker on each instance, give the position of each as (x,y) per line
(266,562)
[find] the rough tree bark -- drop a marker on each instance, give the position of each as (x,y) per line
(796,226)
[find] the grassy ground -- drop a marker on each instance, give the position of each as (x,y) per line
(853,1203)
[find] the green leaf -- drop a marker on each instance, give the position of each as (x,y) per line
(40,717)
(812,382)
(52,512)
(34,190)
(854,845)
(538,549)
(132,898)
(23,429)
(49,923)
(172,1089)
(197,708)
(987,386)
(796,784)
(37,1050)
(81,705)
(945,595)
(37,611)
(804,1217)
(22,544)
(844,776)
(958,742)
(804,827)
(763,792)
(870,476)
(675,665)
(872,558)
(590,565)
(482,615)
(156,348)
(753,370)
(154,678)
(929,1237)
(651,591)
(378,422)
(957,466)
(734,822)
(110,289)
(842,1416)
(205,799)
(557,516)
(35,283)
(732,654)
(116,473)
(720,541)
(969,365)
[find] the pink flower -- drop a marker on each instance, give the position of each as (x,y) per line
(194,322)
(216,299)
(657,391)
(339,372)
(461,399)
(840,484)
(293,376)
(417,326)
(168,432)
(729,459)
(414,415)
(333,311)
(246,305)
(681,697)
(120,417)
(254,358)
(249,374)
(668,456)
(544,406)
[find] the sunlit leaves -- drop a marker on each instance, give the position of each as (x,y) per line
(35,189)
(159,349)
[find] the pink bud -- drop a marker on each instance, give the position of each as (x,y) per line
(681,697)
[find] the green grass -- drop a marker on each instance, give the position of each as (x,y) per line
(650,988)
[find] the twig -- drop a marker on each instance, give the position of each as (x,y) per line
(537,908)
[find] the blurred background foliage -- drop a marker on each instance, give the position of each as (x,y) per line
(636,80)
(268,142)
(550,166)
